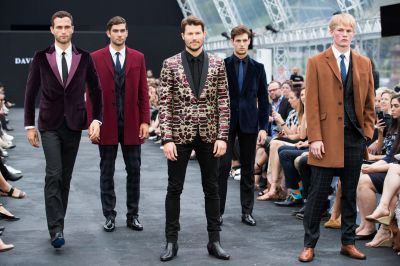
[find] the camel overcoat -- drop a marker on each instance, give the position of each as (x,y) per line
(325,105)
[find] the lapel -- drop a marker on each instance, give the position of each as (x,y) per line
(331,60)
(204,73)
(107,58)
(127,61)
(230,68)
(356,75)
(51,59)
(186,69)
(76,58)
(249,74)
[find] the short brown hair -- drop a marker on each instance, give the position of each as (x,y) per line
(239,30)
(116,21)
(61,14)
(191,20)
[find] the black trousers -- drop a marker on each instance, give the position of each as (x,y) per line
(60,149)
(321,179)
(305,173)
(287,155)
(131,154)
(247,147)
(176,178)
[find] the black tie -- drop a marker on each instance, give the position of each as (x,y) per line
(117,63)
(64,68)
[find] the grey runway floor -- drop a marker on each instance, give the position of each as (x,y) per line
(276,240)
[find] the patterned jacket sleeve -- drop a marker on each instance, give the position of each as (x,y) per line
(166,103)
(223,104)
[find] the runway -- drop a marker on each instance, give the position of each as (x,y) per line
(276,240)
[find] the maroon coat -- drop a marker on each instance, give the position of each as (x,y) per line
(136,102)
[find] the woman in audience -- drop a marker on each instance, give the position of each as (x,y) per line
(372,178)
(380,145)
(9,191)
(5,247)
(384,212)
(286,88)
(290,133)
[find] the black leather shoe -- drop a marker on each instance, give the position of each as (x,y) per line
(301,210)
(58,240)
(170,251)
(215,249)
(248,219)
(109,225)
(289,202)
(134,224)
(220,221)
(365,237)
(13,177)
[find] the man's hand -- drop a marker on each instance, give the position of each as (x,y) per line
(262,136)
(33,137)
(144,131)
(94,132)
(317,149)
(170,151)
(219,148)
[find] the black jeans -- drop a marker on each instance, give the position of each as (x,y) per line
(247,147)
(176,178)
(60,149)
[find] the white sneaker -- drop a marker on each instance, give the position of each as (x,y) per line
(8,137)
(13,170)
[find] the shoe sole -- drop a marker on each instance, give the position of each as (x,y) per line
(348,255)
(109,229)
(216,256)
(135,228)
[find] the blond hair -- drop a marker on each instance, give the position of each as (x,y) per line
(342,19)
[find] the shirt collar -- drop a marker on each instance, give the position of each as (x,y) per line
(337,53)
(189,56)
(113,51)
(237,59)
(67,51)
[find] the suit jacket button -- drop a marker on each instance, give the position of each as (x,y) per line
(339,118)
(340,103)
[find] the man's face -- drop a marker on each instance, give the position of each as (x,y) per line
(241,44)
(274,91)
(193,37)
(62,30)
(118,34)
(342,36)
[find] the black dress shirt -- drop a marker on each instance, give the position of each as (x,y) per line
(196,66)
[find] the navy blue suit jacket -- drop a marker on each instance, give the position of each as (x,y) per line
(244,110)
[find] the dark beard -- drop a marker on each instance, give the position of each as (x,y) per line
(193,50)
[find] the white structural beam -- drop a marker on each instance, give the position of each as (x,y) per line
(318,34)
(228,13)
(188,7)
(279,12)
(353,7)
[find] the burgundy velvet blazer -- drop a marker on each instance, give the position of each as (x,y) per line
(59,101)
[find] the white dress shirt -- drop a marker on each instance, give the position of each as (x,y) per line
(68,58)
(121,56)
(339,59)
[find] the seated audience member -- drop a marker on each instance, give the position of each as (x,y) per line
(289,134)
(279,104)
(287,156)
(286,88)
(384,212)
(6,215)
(383,121)
(7,103)
(9,191)
(372,178)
